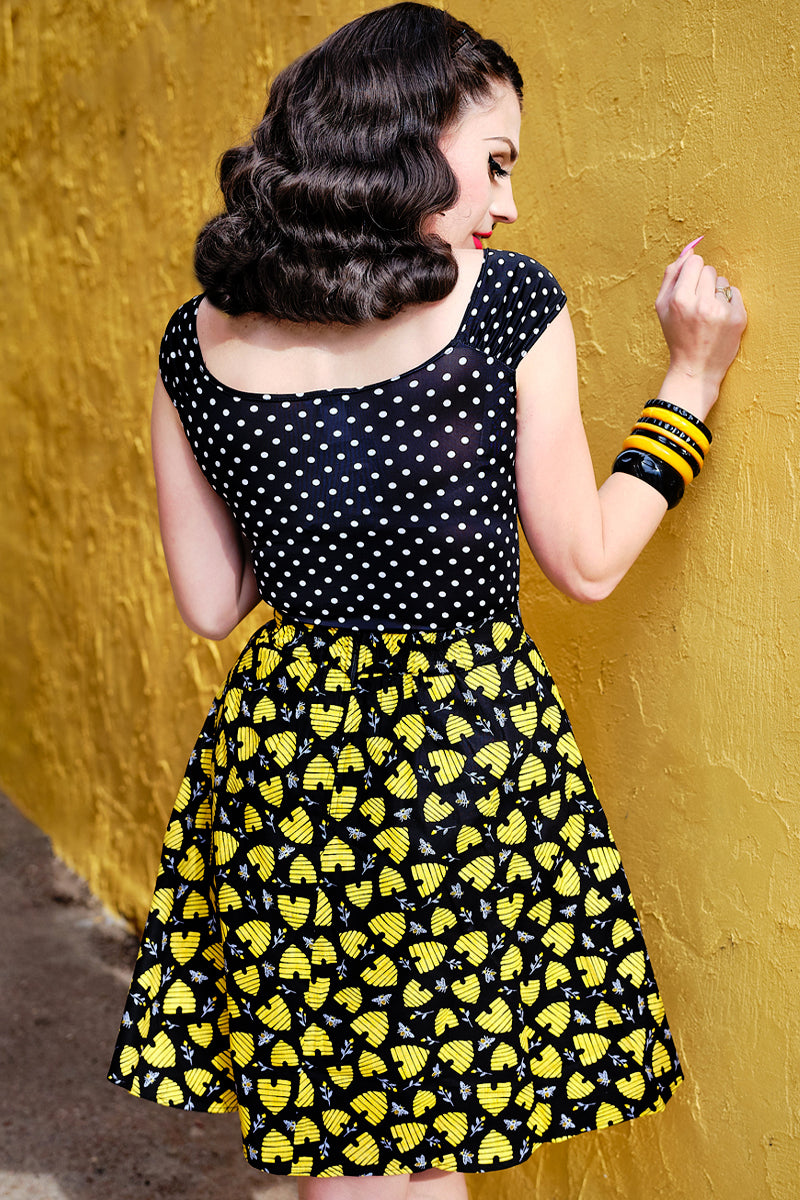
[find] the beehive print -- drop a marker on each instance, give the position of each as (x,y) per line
(390,925)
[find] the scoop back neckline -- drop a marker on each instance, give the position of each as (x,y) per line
(239,393)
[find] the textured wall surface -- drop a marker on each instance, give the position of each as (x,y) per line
(646,125)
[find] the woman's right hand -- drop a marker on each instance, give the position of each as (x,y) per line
(702,329)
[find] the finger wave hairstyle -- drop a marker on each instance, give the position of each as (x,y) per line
(327,202)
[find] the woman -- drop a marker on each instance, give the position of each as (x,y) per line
(391,927)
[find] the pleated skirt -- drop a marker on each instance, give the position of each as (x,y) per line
(390,925)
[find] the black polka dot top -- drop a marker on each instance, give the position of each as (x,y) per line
(385,507)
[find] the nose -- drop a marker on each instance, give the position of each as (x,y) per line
(503,207)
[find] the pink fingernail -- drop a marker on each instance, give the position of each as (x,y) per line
(691,245)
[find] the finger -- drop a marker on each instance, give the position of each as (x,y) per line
(723,290)
(737,305)
(690,246)
(707,281)
(690,273)
(675,270)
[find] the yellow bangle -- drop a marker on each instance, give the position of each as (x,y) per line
(678,441)
(658,451)
(663,414)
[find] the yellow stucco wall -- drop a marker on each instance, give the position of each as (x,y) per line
(646,125)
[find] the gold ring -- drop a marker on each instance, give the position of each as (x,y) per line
(726,292)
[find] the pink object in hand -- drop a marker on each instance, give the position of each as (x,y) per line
(691,246)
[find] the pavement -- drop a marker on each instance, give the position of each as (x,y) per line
(65,1132)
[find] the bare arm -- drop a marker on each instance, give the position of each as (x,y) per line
(209,564)
(584,539)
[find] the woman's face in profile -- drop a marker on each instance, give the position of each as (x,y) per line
(481,150)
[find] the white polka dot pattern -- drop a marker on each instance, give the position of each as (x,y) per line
(391,506)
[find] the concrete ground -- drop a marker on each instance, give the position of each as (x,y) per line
(65,1132)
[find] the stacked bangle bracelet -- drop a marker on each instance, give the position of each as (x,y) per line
(666,448)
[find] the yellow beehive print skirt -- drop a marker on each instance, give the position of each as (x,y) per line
(390,925)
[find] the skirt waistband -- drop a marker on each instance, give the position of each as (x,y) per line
(368,653)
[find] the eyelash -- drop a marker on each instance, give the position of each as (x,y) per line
(495,170)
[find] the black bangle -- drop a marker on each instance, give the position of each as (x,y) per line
(687,416)
(660,475)
(673,429)
(684,453)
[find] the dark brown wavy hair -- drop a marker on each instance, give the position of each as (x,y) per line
(326,204)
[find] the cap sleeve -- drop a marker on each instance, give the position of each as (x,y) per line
(515,300)
(178,356)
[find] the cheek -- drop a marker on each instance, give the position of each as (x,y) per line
(457,224)
(474,188)
(473,183)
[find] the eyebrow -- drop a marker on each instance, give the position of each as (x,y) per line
(513,152)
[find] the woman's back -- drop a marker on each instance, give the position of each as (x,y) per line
(384,505)
(257,354)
